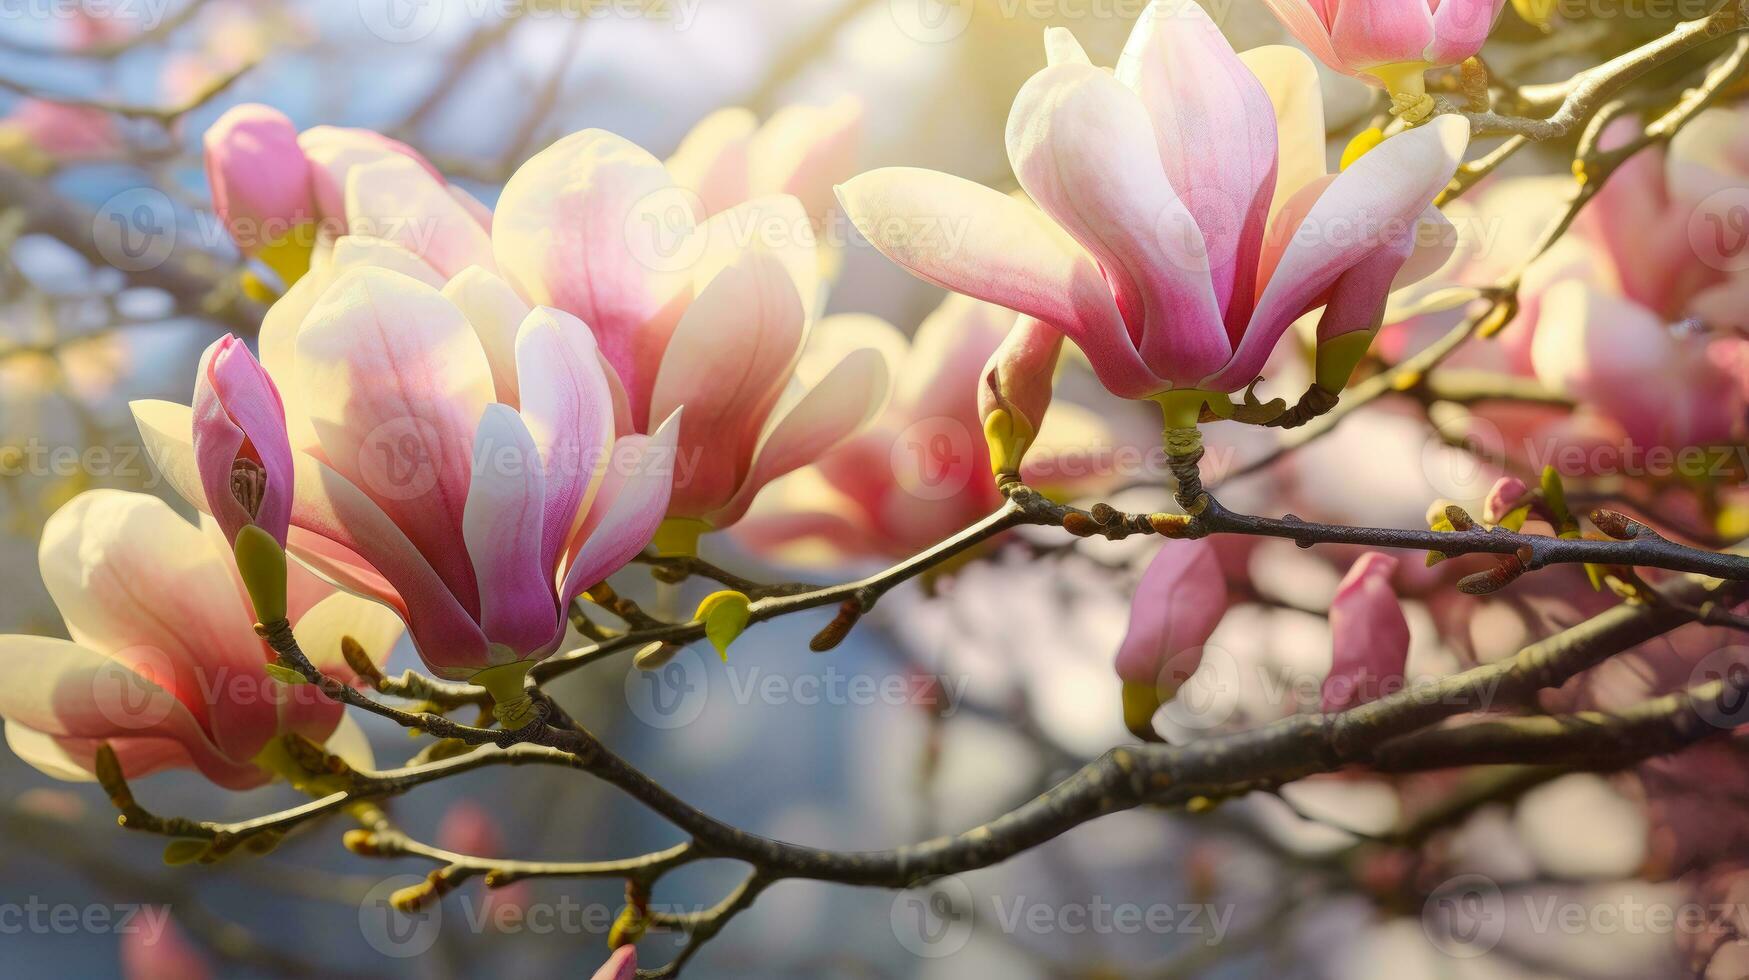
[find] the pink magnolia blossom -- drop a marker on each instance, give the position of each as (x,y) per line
(1178,603)
(1368,634)
(1184,219)
(711,315)
(922,471)
(164,664)
(165,953)
(272,185)
(240,442)
(258,176)
(802,150)
(38,135)
(418,485)
(1389,42)
(1668,386)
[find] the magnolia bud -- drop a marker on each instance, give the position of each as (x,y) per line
(241,448)
(1368,633)
(261,186)
(1016,391)
(1179,602)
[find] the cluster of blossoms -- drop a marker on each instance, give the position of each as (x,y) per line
(462,419)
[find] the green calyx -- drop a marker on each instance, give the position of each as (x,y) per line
(512,705)
(677,537)
(1339,356)
(261,564)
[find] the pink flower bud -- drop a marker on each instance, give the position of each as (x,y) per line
(240,442)
(1369,635)
(259,176)
(1017,383)
(1507,493)
(622,965)
(1358,37)
(1177,605)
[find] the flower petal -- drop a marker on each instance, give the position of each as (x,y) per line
(334,151)
(134,580)
(1302,20)
(1376,202)
(628,510)
(968,238)
(396,200)
(404,382)
(728,363)
(711,160)
(847,400)
(80,697)
(593,225)
(503,530)
(803,150)
(1206,105)
(1291,79)
(496,313)
(568,408)
(1083,146)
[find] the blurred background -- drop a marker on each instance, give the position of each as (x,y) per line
(963,698)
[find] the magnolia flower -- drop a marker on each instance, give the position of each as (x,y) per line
(1178,603)
(1183,219)
(711,315)
(164,664)
(284,195)
(1671,386)
(1392,43)
(416,484)
(922,471)
(802,151)
(38,135)
(1368,634)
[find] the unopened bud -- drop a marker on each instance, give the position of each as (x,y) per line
(654,656)
(361,842)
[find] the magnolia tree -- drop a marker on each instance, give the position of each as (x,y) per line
(504,437)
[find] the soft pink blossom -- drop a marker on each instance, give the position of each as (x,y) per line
(164,664)
(1368,38)
(922,471)
(419,485)
(1183,217)
(711,315)
(802,150)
